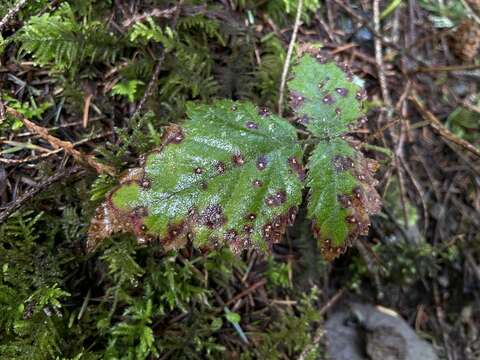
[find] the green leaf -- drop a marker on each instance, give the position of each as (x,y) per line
(233,317)
(325,96)
(128,88)
(231,174)
(342,196)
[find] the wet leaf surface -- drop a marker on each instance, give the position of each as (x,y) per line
(342,195)
(225,176)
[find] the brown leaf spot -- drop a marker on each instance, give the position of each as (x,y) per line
(248,228)
(345,201)
(141,211)
(238,159)
(212,216)
(198,170)
(297,167)
(296,100)
(257,183)
(263,112)
(303,120)
(338,111)
(342,163)
(328,99)
(276,199)
(262,162)
(342,91)
(230,236)
(251,217)
(328,251)
(220,167)
(273,231)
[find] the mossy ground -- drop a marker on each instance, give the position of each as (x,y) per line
(128,301)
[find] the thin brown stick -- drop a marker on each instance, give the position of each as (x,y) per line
(164,13)
(12,12)
(67,146)
(286,65)
(446,68)
(18,203)
(440,128)
(366,22)
(379,56)
(50,152)
(86,110)
(151,85)
(247,291)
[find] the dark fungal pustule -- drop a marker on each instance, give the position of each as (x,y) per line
(251,217)
(257,183)
(141,211)
(212,216)
(198,170)
(263,112)
(230,236)
(220,167)
(272,232)
(297,167)
(248,229)
(303,120)
(251,125)
(328,99)
(276,199)
(345,201)
(342,91)
(296,100)
(342,163)
(238,159)
(262,162)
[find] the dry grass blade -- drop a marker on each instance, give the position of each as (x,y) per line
(66,146)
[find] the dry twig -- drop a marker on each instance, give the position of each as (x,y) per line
(440,128)
(286,65)
(14,10)
(379,57)
(66,146)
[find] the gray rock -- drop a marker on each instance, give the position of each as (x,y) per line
(366,332)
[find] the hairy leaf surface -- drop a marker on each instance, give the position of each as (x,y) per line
(325,96)
(231,174)
(342,195)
